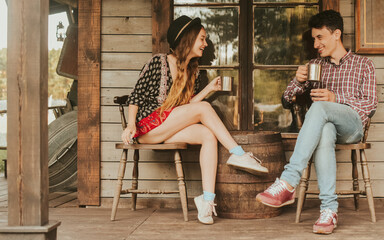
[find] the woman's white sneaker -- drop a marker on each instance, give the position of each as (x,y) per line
(247,162)
(204,210)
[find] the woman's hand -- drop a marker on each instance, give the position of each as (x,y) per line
(215,84)
(128,133)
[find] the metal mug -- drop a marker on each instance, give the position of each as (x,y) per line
(226,83)
(314,72)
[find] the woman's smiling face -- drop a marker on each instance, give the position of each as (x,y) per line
(199,45)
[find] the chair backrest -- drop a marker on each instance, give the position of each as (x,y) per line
(300,105)
(366,128)
(121,101)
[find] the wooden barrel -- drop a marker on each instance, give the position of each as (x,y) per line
(236,190)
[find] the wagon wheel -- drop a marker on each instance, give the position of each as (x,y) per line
(62,153)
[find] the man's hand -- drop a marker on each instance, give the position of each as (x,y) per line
(322,95)
(302,73)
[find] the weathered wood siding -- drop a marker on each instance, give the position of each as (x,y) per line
(127,45)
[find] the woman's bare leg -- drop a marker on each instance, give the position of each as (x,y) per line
(199,134)
(186,115)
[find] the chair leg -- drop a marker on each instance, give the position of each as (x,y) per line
(303,187)
(119,184)
(367,182)
(181,182)
(135,177)
(355,177)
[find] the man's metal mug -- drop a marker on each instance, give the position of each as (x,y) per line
(314,72)
(226,83)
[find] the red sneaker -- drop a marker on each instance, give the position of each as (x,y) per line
(277,195)
(326,222)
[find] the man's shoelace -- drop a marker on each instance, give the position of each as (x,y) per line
(325,216)
(276,188)
(254,157)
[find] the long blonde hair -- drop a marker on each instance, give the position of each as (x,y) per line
(182,88)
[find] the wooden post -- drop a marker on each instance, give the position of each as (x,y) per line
(330,5)
(162,16)
(27,132)
(88,141)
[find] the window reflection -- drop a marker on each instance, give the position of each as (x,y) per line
(269,113)
(223,43)
(278,34)
(225,103)
(222,28)
(287,1)
(280,37)
(204,1)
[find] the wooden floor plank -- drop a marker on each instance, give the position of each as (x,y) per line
(62,200)
(168,224)
(148,223)
(55,195)
(71,204)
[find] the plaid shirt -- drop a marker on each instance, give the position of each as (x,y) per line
(353,82)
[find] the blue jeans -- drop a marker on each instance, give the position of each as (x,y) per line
(326,123)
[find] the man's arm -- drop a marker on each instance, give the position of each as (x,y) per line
(367,102)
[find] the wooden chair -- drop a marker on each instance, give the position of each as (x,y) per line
(297,107)
(175,147)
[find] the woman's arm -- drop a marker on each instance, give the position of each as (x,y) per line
(131,126)
(214,85)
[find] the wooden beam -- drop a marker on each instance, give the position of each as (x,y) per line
(27,129)
(27,105)
(330,5)
(88,144)
(72,3)
(162,15)
(245,104)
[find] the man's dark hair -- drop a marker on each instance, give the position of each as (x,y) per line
(330,19)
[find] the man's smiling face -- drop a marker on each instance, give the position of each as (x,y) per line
(325,41)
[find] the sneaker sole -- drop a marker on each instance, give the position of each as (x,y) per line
(276,206)
(249,170)
(320,231)
(206,223)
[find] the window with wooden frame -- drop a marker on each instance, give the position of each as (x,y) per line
(260,44)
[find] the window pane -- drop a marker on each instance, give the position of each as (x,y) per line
(269,113)
(286,1)
(222,29)
(225,103)
(204,1)
(278,35)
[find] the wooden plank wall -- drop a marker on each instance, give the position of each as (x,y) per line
(127,45)
(126,36)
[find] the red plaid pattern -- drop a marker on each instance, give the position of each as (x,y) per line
(353,82)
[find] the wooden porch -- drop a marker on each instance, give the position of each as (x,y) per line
(165,223)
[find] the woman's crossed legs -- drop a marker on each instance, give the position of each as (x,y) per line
(182,125)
